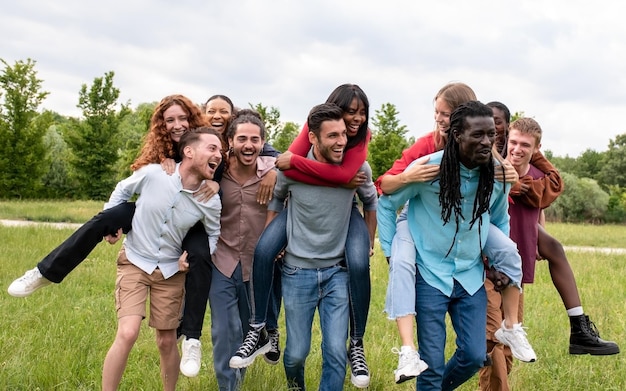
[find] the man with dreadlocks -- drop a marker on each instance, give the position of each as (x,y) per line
(449,220)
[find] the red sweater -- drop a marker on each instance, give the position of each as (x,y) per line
(317,173)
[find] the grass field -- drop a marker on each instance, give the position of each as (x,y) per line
(57,338)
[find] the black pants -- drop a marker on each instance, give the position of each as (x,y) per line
(69,254)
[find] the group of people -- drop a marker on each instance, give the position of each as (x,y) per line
(223,218)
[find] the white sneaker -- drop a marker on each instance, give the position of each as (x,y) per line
(515,339)
(192,354)
(28,283)
(409,364)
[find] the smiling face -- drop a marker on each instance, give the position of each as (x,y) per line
(205,155)
(331,143)
(520,149)
(354,117)
(218,112)
(176,122)
(246,143)
(475,141)
(442,117)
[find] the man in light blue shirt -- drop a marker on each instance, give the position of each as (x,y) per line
(148,263)
(449,221)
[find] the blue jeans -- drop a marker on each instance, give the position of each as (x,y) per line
(499,248)
(468,314)
(230,310)
(274,239)
(304,291)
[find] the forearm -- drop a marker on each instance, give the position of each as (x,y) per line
(370,222)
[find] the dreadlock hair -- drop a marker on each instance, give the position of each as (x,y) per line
(450,177)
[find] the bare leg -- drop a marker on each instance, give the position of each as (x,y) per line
(405,329)
(170,359)
(560,270)
(116,358)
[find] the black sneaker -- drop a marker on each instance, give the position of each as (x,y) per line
(360,373)
(256,342)
(273,356)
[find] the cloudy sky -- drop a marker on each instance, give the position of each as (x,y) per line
(562,62)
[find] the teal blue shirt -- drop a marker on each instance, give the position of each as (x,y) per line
(433,239)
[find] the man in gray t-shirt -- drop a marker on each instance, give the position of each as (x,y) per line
(314,270)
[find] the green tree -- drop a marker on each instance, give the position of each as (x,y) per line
(388,139)
(132,132)
(94,140)
(582,201)
(57,180)
(271,119)
(21,130)
(286,135)
(613,170)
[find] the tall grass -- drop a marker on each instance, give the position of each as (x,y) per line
(57,338)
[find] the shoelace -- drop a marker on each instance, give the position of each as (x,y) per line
(357,359)
(521,340)
(404,357)
(274,342)
(248,344)
(193,352)
(30,277)
(593,330)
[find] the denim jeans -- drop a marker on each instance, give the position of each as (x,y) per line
(230,310)
(304,291)
(468,314)
(274,239)
(499,248)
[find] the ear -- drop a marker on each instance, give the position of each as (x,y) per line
(312,138)
(188,151)
(456,134)
(230,142)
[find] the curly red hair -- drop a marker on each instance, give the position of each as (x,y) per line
(158,144)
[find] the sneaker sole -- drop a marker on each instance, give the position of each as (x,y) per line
(25,294)
(359,383)
(578,349)
(238,362)
(271,362)
(189,374)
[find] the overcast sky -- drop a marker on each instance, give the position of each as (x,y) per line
(562,62)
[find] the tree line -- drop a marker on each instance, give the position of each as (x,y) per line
(46,155)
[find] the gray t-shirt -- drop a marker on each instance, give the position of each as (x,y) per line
(319,216)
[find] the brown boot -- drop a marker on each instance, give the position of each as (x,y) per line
(585,339)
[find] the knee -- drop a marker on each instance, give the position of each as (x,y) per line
(475,358)
(127,335)
(166,341)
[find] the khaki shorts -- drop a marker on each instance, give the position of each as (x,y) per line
(133,286)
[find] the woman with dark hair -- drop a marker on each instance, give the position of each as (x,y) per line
(263,336)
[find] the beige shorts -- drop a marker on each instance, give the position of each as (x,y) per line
(133,286)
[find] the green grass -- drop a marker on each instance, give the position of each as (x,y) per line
(50,211)
(57,338)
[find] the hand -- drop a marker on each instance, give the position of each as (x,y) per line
(509,175)
(207,190)
(169,166)
(113,238)
(356,180)
(283,161)
(420,171)
(266,188)
(500,280)
(183,265)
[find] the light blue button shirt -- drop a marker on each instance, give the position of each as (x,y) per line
(433,239)
(164,214)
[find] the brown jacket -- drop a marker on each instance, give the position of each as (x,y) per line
(542,192)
